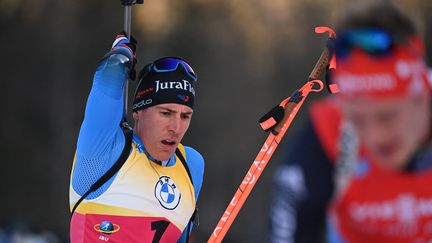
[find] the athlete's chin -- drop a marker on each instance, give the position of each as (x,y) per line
(395,161)
(165,154)
(392,155)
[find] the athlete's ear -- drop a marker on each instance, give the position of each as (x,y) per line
(135,117)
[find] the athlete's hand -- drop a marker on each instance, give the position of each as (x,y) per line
(126,47)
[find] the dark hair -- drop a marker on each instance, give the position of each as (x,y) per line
(384,15)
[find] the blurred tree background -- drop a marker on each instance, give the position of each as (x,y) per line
(248,54)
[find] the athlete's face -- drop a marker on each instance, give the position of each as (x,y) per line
(391,129)
(162,127)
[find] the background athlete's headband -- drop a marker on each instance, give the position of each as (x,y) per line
(371,63)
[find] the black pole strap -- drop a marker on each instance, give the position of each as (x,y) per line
(111,172)
(194,218)
(272,118)
(182,159)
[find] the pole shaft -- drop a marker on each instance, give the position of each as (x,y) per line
(127,19)
(127,29)
(321,65)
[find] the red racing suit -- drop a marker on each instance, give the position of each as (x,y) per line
(328,187)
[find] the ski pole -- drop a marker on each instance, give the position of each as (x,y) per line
(127,4)
(277,121)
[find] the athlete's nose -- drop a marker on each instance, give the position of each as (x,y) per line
(174,124)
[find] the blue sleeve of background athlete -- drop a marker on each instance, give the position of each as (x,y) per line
(101,140)
(196,167)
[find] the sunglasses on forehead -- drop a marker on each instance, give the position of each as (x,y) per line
(169,64)
(373,41)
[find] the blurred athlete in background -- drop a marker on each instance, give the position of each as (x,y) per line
(361,169)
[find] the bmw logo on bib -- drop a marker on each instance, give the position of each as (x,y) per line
(167,193)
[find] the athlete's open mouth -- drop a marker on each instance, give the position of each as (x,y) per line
(168,142)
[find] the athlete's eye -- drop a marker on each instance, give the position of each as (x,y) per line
(186,116)
(165,113)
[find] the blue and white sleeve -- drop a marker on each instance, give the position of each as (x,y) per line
(101,139)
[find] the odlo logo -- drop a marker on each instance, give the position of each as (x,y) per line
(142,103)
(167,193)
